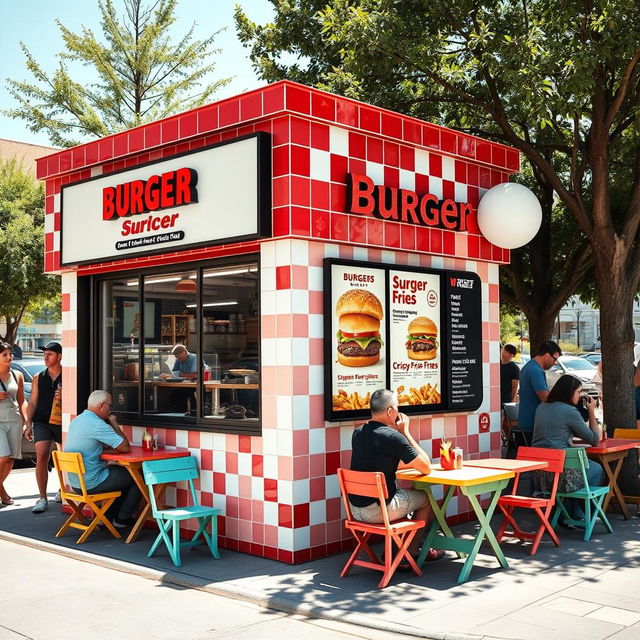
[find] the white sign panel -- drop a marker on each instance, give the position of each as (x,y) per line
(219,194)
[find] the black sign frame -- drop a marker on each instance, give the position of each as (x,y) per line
(446,284)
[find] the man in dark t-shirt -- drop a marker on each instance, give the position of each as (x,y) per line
(384,444)
(509,374)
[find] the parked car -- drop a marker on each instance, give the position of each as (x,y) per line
(593,357)
(522,360)
(28,367)
(575,366)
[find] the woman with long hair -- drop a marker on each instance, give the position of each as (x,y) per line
(12,413)
(557,422)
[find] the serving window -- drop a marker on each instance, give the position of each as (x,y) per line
(181,346)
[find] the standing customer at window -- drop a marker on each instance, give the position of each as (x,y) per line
(557,422)
(44,417)
(11,417)
(533,385)
(509,374)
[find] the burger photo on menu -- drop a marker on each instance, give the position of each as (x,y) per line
(422,339)
(359,313)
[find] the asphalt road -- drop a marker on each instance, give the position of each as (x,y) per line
(46,596)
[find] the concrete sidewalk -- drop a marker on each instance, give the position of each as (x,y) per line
(580,590)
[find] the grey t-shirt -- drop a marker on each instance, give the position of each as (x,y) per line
(556,423)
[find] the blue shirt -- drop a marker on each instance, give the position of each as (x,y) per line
(89,435)
(532,379)
(187,366)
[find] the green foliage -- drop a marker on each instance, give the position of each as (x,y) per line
(509,326)
(22,281)
(569,347)
(140,75)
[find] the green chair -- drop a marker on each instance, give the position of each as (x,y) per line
(158,472)
(576,458)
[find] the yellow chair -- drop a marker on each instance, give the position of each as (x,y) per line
(629,434)
(97,502)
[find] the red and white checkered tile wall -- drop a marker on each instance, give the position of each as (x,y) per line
(278,493)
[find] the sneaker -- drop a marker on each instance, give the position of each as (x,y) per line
(58,497)
(41,506)
(435,554)
(127,523)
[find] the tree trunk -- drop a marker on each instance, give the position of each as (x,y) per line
(541,326)
(12,330)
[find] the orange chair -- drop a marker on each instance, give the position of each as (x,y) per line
(97,502)
(401,532)
(542,506)
(629,434)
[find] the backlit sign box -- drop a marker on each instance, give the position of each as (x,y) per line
(214,195)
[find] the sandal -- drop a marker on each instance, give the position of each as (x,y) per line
(8,500)
(435,554)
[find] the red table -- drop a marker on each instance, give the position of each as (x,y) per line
(132,461)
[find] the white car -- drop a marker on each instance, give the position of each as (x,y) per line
(575,366)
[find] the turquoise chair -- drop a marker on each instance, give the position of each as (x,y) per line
(178,470)
(576,458)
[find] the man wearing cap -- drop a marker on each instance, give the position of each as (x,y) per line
(44,417)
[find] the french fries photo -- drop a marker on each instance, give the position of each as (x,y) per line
(426,394)
(355,401)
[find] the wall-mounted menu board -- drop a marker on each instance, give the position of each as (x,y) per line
(415,331)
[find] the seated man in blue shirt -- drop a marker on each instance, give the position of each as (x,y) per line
(90,434)
(185,366)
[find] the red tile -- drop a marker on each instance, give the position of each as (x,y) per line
(320,193)
(435,165)
(436,240)
(422,240)
(422,184)
(431,137)
(66,301)
(229,112)
(273,99)
(408,237)
(152,135)
(300,191)
(188,124)
(448,141)
(300,221)
(231,462)
(375,232)
(77,154)
(332,462)
(339,166)
(466,146)
(320,136)
(298,99)
(280,193)
(317,489)
(448,189)
(449,243)
(300,160)
(357,229)
(65,160)
(323,106)
(498,156)
(320,227)
(374,149)
(407,158)
(270,490)
(206,459)
(357,166)
(250,106)
(339,227)
(300,132)
(392,235)
(281,222)
(193,440)
(472,174)
(244,444)
(369,119)
(300,466)
(483,151)
(169,129)
(391,177)
(280,162)
(496,254)
(285,556)
(460,171)
(338,197)
(347,113)
(333,509)
(412,131)
(392,154)
(485,249)
(285,516)
(513,159)
(391,125)
(484,179)
(357,145)
(283,277)
(208,118)
(472,223)
(219,483)
(301,515)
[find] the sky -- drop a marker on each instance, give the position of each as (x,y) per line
(34,23)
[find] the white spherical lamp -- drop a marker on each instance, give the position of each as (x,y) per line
(509,215)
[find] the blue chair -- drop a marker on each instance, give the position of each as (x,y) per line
(576,458)
(158,472)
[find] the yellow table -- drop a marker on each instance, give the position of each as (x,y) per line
(471,482)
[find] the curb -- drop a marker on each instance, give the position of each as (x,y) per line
(237,592)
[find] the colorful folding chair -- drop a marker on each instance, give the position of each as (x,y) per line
(576,458)
(158,472)
(542,506)
(372,484)
(629,434)
(69,462)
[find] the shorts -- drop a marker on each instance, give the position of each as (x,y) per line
(47,432)
(11,439)
(405,501)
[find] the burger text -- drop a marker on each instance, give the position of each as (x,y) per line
(404,205)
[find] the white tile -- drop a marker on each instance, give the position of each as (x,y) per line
(206,441)
(285,443)
(320,165)
(283,253)
(269,465)
(257,488)
(270,445)
(56,202)
(422,161)
(283,351)
(268,353)
(244,464)
(300,252)
(271,513)
(206,480)
(267,254)
(413,259)
(301,491)
(299,301)
(435,186)
(96,171)
(316,379)
(284,416)
(615,615)
(345,437)
(316,325)
(285,492)
(301,418)
(283,301)
(49,223)
(375,171)
(268,279)
(301,538)
(331,251)
(317,441)
(219,461)
(285,538)
(332,489)
(437,262)
(448,168)
(339,141)
(388,257)
(461,192)
(315,278)
(300,351)
(317,512)
(231,484)
(220,502)
(407,179)
(268,303)
(360,253)
(182,438)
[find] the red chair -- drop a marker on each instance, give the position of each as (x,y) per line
(542,506)
(400,532)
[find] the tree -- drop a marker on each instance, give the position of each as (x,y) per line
(560,81)
(22,281)
(140,75)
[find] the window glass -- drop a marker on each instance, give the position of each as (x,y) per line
(230,343)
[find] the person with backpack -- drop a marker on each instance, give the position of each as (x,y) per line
(12,417)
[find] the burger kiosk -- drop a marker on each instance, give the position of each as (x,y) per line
(308,249)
